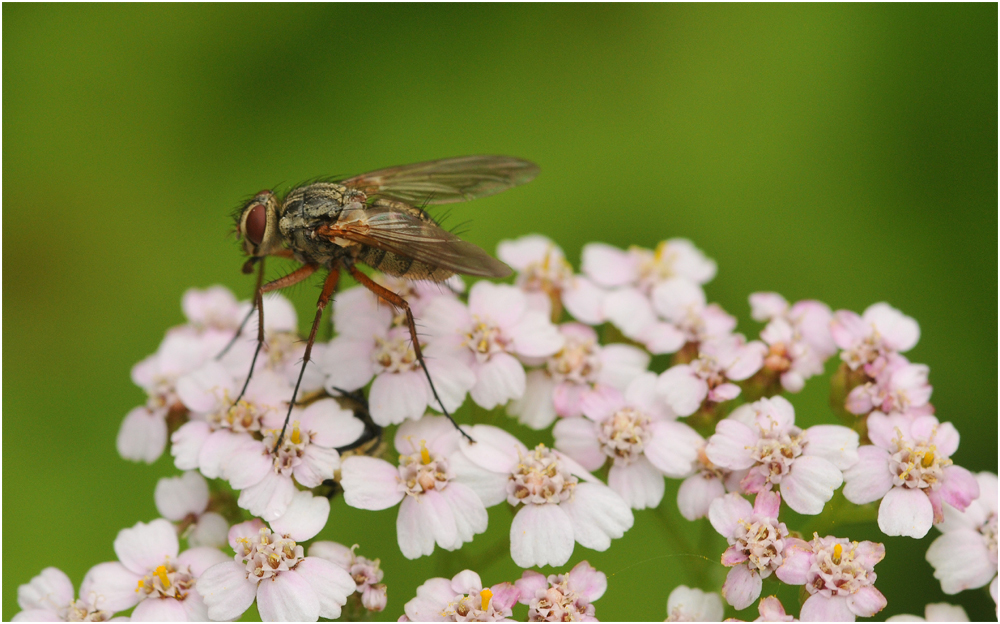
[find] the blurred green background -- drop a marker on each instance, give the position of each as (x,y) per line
(844,153)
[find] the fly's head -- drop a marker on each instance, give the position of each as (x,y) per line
(257,225)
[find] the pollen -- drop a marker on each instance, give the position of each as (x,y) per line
(296,437)
(486,594)
(838,551)
(928,460)
(161,573)
(425,455)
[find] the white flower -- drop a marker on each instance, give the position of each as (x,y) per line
(185,499)
(365,572)
(434,509)
(561,502)
(461,599)
(49,598)
(271,568)
(935,612)
(687,604)
(152,576)
(965,555)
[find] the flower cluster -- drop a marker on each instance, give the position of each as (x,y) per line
(566,353)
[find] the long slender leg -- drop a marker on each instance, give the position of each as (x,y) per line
(394,299)
(329,286)
(253,306)
(292,278)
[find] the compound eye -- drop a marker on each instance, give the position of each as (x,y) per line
(256,224)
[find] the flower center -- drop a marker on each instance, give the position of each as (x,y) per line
(918,465)
(624,435)
(423,471)
(293,446)
(762,540)
(579,361)
(778,358)
(776,452)
(241,417)
(394,354)
(485,339)
(655,267)
(472,608)
(80,611)
(559,603)
(834,571)
(166,581)
(550,275)
(539,478)
(267,554)
(708,368)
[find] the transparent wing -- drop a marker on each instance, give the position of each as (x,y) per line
(406,235)
(446,181)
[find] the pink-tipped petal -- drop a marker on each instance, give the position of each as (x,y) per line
(726,512)
(820,608)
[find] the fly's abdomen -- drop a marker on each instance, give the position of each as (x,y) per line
(401,266)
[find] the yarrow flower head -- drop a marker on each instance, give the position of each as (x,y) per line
(49,598)
(898,387)
(908,466)
(686,604)
(373,343)
(964,556)
(762,439)
(557,501)
(869,340)
(272,569)
(435,508)
(637,434)
(461,599)
(366,573)
(839,576)
(581,368)
(488,337)
(562,597)
(548,279)
(757,543)
(151,575)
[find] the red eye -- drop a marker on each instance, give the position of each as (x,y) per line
(256,224)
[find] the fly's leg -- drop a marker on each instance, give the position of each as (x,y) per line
(292,278)
(395,300)
(329,286)
(248,267)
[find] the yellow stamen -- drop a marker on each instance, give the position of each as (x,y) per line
(928,460)
(425,456)
(161,572)
(486,595)
(141,585)
(838,550)
(296,436)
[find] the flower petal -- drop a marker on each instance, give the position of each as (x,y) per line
(500,379)
(820,608)
(742,587)
(541,535)
(639,483)
(810,484)
(331,584)
(112,585)
(142,436)
(905,511)
(287,597)
(305,517)
(145,546)
(869,479)
(598,515)
(370,483)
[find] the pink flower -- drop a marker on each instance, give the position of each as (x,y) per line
(365,572)
(638,434)
(935,612)
(548,279)
(461,599)
(682,305)
(798,337)
(308,453)
(373,344)
(899,387)
(581,368)
(270,567)
(965,555)
(686,604)
(908,467)
(217,425)
(807,465)
(49,598)
(488,337)
(757,542)
(435,508)
(184,499)
(151,576)
(866,340)
(562,597)
(839,576)
(561,503)
(706,483)
(709,376)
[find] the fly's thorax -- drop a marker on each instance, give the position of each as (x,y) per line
(307,208)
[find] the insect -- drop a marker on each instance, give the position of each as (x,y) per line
(375,219)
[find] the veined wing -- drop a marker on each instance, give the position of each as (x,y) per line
(408,236)
(446,181)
